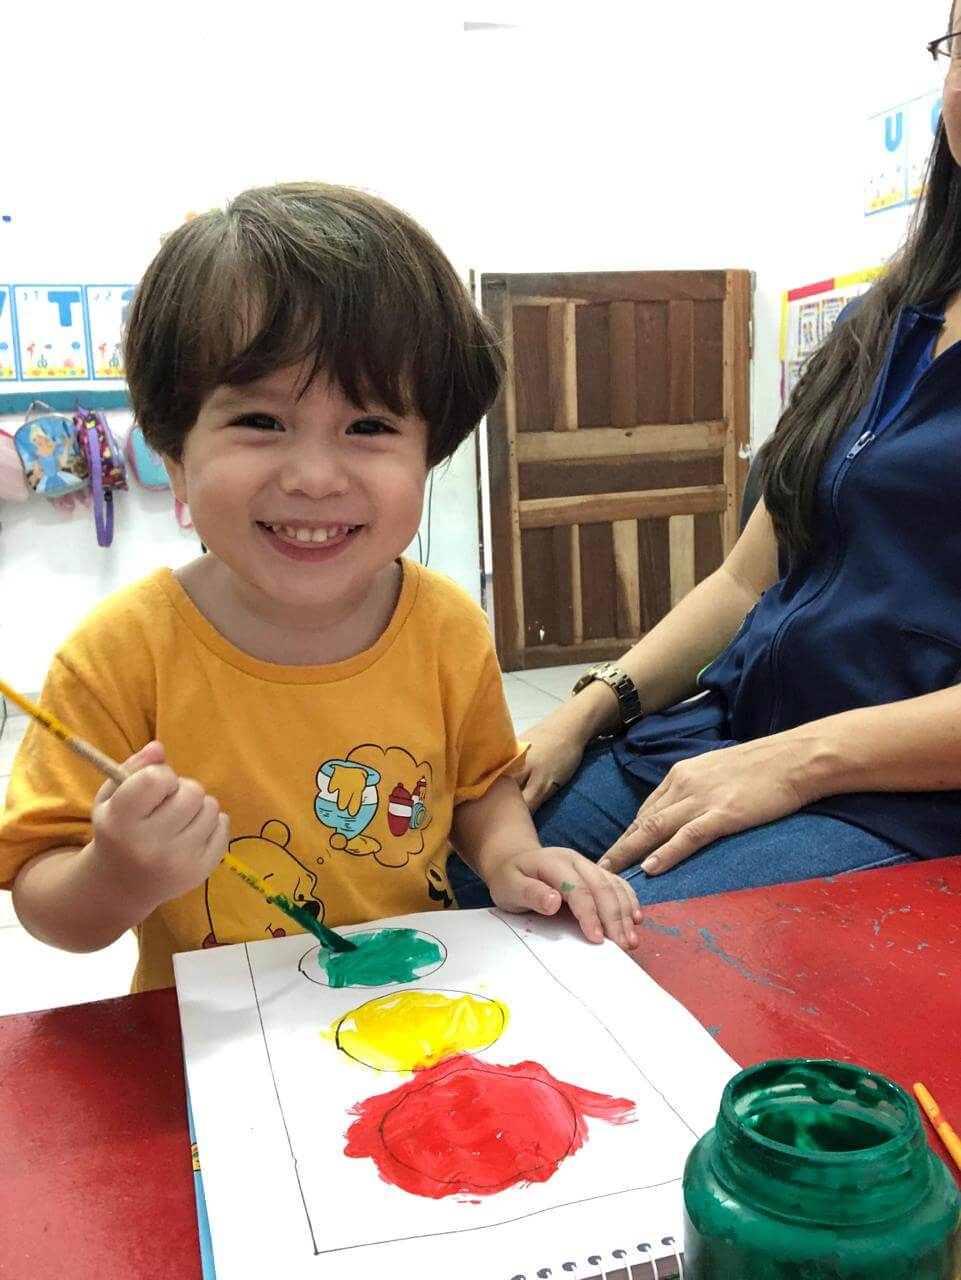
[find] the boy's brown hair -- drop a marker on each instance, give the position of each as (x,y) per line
(307,272)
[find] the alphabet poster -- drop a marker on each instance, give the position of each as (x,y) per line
(51,331)
(898,144)
(107,310)
(8,369)
(66,336)
(469,1094)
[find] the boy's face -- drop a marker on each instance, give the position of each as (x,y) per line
(307,500)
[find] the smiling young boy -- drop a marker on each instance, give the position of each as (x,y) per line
(301,361)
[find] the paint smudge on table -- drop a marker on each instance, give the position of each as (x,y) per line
(470,1128)
(410,1029)
(710,944)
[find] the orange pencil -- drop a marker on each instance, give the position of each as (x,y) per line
(941,1126)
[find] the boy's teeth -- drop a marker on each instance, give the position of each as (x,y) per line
(309,535)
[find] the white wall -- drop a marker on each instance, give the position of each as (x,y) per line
(641,134)
(189,103)
(695,134)
(52,571)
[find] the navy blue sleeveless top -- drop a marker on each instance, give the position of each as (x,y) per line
(872,614)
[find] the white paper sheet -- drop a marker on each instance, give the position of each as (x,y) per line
(271,1100)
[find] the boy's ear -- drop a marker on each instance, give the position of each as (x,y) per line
(177,476)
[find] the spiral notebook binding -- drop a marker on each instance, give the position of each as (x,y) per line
(663,1260)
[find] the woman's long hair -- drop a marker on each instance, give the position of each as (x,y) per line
(838,378)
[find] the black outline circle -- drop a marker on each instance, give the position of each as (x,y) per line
(431,991)
(521,1175)
(372,986)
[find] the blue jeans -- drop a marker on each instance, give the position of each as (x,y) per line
(599,802)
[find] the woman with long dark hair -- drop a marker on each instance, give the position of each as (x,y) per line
(799,713)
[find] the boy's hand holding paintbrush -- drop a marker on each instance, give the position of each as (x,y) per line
(156,836)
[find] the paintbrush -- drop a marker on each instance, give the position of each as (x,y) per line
(118,774)
(327,936)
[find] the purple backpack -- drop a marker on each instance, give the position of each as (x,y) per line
(105,464)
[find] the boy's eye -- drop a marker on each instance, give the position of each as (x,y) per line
(370,427)
(259,421)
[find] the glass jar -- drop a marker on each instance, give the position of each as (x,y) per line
(818,1170)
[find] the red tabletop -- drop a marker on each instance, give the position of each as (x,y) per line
(95,1171)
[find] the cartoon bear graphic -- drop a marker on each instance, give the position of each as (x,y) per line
(235,914)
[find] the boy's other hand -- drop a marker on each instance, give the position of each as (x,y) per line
(157,836)
(542,879)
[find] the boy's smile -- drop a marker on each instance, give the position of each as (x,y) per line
(306,501)
(302,541)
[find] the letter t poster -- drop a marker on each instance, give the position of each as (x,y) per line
(52,332)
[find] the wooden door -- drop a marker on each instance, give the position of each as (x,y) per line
(618,452)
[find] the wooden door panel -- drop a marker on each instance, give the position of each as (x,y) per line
(615,452)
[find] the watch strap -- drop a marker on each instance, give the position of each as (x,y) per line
(624,688)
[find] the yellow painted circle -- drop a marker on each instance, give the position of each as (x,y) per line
(410,1029)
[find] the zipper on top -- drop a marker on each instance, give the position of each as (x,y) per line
(862,442)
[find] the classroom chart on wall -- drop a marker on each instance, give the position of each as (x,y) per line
(808,314)
(8,358)
(898,143)
(58,338)
(51,332)
(107,311)
(469,1093)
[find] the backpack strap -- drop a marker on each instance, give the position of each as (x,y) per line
(102,498)
(40,409)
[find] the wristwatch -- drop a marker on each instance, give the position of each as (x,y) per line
(628,702)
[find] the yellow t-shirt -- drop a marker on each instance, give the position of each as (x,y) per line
(340,781)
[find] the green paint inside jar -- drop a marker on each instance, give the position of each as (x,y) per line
(819,1169)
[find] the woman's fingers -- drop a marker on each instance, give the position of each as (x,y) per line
(690,839)
(536,789)
(648,832)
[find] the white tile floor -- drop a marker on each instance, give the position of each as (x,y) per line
(34,976)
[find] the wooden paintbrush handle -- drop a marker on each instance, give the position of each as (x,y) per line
(87,751)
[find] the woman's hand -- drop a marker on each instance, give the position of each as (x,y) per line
(551,761)
(713,795)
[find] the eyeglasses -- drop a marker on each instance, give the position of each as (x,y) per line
(947,47)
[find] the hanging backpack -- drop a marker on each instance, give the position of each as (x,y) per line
(105,464)
(150,472)
(144,462)
(13,481)
(52,459)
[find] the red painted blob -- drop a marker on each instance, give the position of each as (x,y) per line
(468,1127)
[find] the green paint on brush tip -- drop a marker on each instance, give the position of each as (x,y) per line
(307,921)
(382,956)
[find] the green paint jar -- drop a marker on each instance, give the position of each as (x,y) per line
(818,1170)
